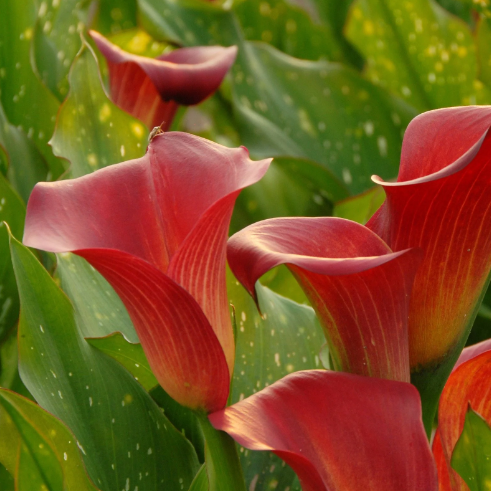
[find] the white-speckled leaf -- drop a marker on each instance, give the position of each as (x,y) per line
(419,51)
(125,439)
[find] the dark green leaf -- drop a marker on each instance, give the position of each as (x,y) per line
(189,22)
(26,101)
(57,40)
(418,51)
(12,211)
(128,441)
(98,309)
(92,132)
(483,40)
(286,338)
(114,16)
(320,111)
(471,457)
(7,481)
(26,166)
(131,356)
(288,28)
(291,187)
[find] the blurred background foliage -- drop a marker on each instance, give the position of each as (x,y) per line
(327,87)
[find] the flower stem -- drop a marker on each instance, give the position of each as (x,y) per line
(222,459)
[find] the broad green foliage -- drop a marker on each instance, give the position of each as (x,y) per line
(131,356)
(57,40)
(418,51)
(288,28)
(128,439)
(26,101)
(25,165)
(320,111)
(48,450)
(291,187)
(12,211)
(91,131)
(471,457)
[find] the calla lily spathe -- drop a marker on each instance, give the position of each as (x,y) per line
(156,228)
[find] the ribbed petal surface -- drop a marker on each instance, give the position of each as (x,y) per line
(358,287)
(441,205)
(338,431)
(150,89)
(181,346)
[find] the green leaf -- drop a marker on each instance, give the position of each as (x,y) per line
(222,461)
(6,480)
(417,50)
(291,187)
(286,338)
(189,22)
(483,41)
(471,457)
(460,8)
(98,309)
(360,208)
(26,166)
(49,450)
(321,111)
(12,211)
(125,439)
(200,482)
(131,356)
(114,16)
(289,29)
(92,132)
(26,101)
(57,41)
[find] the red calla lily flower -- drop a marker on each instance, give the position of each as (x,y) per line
(152,89)
(358,287)
(440,203)
(467,385)
(338,431)
(156,229)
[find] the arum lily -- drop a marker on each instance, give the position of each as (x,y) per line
(468,385)
(152,89)
(358,287)
(156,229)
(338,431)
(440,203)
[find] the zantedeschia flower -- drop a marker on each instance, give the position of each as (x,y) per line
(338,431)
(440,203)
(358,287)
(152,89)
(156,228)
(467,385)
